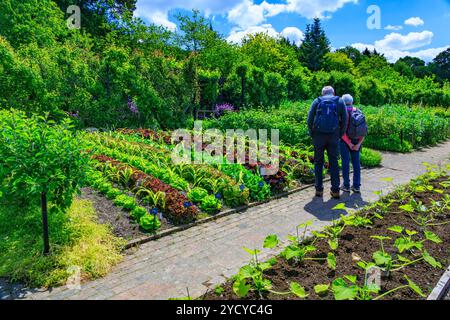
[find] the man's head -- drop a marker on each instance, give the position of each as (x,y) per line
(328,91)
(348,99)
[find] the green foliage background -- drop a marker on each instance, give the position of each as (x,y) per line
(114,61)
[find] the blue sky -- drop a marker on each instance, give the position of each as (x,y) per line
(418,28)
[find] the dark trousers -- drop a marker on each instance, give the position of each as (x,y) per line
(330,143)
(348,156)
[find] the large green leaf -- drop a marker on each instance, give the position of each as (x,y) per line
(240,288)
(415,287)
(331,260)
(343,291)
(298,290)
(432,237)
(430,260)
(321,289)
(381,258)
(271,241)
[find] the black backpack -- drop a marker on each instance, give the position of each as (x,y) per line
(357,126)
(326,119)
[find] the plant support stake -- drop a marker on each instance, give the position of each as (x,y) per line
(45,223)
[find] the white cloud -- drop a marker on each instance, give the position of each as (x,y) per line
(413,40)
(311,9)
(237,35)
(156,11)
(393,55)
(247,14)
(393,28)
(293,34)
(162,19)
(415,22)
(242,13)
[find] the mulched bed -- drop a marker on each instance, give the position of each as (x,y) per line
(122,225)
(357,240)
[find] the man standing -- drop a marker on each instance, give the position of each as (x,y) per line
(327,121)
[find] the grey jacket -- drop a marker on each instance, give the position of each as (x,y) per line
(342,115)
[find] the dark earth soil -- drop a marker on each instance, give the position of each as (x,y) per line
(122,225)
(359,241)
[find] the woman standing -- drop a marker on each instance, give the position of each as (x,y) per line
(350,149)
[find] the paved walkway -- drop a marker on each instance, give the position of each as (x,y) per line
(201,257)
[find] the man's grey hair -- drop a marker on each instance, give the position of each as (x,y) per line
(348,99)
(328,91)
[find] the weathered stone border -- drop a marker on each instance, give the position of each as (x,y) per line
(442,286)
(173,230)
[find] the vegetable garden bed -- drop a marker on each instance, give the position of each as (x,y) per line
(406,235)
(133,170)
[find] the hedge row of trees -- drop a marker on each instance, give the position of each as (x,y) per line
(117,71)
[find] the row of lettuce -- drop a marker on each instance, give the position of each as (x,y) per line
(398,128)
(135,169)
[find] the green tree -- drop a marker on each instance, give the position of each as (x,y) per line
(98,17)
(442,65)
(338,61)
(404,69)
(196,32)
(315,46)
(40,161)
(267,53)
(354,54)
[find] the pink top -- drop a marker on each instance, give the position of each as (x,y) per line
(346,138)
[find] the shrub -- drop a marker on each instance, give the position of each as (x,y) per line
(275,87)
(370,92)
(370,158)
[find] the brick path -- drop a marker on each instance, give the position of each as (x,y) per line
(200,257)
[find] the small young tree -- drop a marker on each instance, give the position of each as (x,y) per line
(40,161)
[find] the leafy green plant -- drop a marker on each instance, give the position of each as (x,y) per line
(127,202)
(149,222)
(321,289)
(113,193)
(197,194)
(138,212)
(210,204)
(347,289)
(254,271)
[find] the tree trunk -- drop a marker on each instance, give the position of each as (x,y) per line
(45,223)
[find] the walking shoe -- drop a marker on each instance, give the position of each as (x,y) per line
(335,195)
(345,189)
(356,190)
(319,194)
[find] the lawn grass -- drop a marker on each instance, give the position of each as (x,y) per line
(76,240)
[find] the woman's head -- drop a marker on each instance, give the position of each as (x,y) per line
(348,99)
